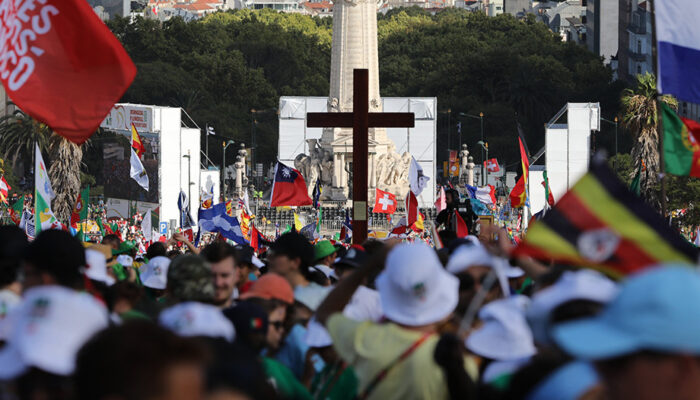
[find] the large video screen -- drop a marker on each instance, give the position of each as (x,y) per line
(117,178)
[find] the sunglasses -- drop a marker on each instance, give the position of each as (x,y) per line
(279,325)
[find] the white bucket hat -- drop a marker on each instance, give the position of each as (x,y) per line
(504,334)
(467,256)
(125,260)
(96,267)
(414,288)
(197,319)
(585,284)
(48,329)
(155,273)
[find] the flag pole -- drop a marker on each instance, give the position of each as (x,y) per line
(659,121)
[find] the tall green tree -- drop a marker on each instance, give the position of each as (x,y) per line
(18,134)
(639,115)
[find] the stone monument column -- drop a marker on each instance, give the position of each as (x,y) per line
(354,46)
(470,171)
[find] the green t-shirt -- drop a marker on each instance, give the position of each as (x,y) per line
(335,382)
(284,381)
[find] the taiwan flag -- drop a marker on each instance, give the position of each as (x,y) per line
(288,188)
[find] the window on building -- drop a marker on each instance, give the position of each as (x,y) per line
(639,46)
(639,69)
(684,108)
(583,37)
(584,19)
(584,3)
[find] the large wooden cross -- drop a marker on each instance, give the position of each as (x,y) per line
(360,120)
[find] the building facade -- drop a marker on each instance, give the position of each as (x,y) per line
(602,28)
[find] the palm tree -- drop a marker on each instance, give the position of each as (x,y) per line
(18,134)
(66,158)
(640,117)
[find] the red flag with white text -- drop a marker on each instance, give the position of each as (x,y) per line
(62,65)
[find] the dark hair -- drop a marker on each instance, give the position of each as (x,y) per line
(13,243)
(36,383)
(58,254)
(111,238)
(129,361)
(155,250)
(575,309)
(269,305)
(173,253)
(218,251)
(372,246)
(526,379)
(294,245)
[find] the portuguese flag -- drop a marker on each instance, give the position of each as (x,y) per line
(681,147)
(600,224)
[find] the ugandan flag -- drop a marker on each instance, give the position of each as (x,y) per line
(600,224)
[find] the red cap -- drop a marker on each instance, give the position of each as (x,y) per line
(271,286)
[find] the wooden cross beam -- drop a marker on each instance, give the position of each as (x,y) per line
(360,120)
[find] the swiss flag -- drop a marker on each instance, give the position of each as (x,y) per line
(384,202)
(492,165)
(288,188)
(62,64)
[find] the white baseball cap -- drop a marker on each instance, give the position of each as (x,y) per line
(504,334)
(48,329)
(155,273)
(96,267)
(197,319)
(584,284)
(414,288)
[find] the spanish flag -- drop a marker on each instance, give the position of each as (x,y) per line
(136,142)
(600,224)
(518,196)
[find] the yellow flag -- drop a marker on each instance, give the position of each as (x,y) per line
(297,222)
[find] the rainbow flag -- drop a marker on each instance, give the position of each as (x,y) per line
(600,224)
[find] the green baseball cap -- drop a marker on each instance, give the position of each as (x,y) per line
(324,248)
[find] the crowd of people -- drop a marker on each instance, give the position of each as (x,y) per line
(388,319)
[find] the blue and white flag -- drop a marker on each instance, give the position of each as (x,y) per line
(215,220)
(678,45)
(486,194)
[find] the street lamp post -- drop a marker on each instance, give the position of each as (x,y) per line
(613,122)
(481,120)
(189,180)
(484,147)
(223,166)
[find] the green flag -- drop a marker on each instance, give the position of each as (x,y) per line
(319,220)
(84,199)
(43,194)
(99,225)
(681,150)
(16,210)
(634,186)
(287,229)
